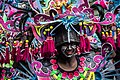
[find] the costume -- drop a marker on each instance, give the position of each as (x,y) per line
(58,40)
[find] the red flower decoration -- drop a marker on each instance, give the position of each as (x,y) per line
(3,75)
(64,74)
(54,67)
(76,73)
(3,71)
(81,70)
(70,76)
(52,61)
(82,64)
(82,59)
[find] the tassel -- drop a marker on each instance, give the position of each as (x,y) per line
(82,44)
(103,36)
(44,49)
(13,51)
(51,45)
(7,60)
(87,42)
(18,54)
(48,48)
(26,55)
(18,57)
(82,39)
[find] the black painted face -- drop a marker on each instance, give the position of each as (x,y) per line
(69,49)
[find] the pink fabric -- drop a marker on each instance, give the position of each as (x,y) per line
(82,44)
(44,49)
(51,46)
(48,48)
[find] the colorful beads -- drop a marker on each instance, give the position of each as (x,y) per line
(80,23)
(103,33)
(64,74)
(27,41)
(82,59)
(7,43)
(21,42)
(52,61)
(47,30)
(80,70)
(54,67)
(15,42)
(70,75)
(76,73)
(44,33)
(51,27)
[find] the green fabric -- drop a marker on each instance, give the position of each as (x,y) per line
(60,75)
(4,17)
(53,72)
(82,76)
(75,78)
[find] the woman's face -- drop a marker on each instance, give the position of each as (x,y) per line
(69,49)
